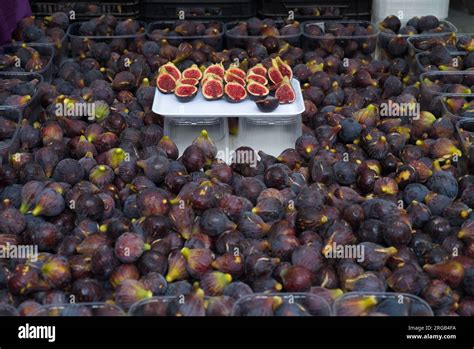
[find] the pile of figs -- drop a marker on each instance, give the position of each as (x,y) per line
(120,218)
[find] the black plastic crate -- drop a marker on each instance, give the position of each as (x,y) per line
(87,9)
(194,9)
(322,9)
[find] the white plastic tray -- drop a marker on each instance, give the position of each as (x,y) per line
(169,106)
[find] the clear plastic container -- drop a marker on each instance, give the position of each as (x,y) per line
(423,63)
(383,8)
(9,143)
(184,130)
(282,304)
(429,92)
(465,104)
(380,304)
(271,135)
(183,306)
(46,51)
(465,135)
(216,41)
(385,39)
(80,44)
(351,44)
(8,310)
(30,109)
(247,41)
(79,309)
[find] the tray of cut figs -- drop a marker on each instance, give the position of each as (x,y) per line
(215,91)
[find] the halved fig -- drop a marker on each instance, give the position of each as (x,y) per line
(166,83)
(268,104)
(212,89)
(257,91)
(257,78)
(193,72)
(236,71)
(285,93)
(211,76)
(258,69)
(230,77)
(185,93)
(274,74)
(234,92)
(170,68)
(217,69)
(189,81)
(284,68)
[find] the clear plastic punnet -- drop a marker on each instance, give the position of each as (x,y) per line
(262,133)
(245,40)
(347,38)
(79,309)
(209,32)
(457,107)
(9,129)
(465,135)
(21,93)
(424,62)
(400,42)
(380,304)
(29,58)
(82,46)
(282,304)
(183,130)
(183,305)
(435,84)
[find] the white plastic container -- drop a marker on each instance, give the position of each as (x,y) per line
(406,9)
(271,132)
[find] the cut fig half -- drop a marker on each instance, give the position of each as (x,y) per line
(170,68)
(285,92)
(189,81)
(257,91)
(166,83)
(230,77)
(257,78)
(275,75)
(234,92)
(185,93)
(193,72)
(217,69)
(211,76)
(236,71)
(258,69)
(212,89)
(284,68)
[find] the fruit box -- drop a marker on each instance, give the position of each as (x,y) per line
(458,107)
(325,36)
(88,9)
(465,135)
(81,45)
(194,9)
(156,31)
(325,10)
(30,108)
(423,62)
(9,142)
(383,303)
(403,47)
(194,305)
(46,52)
(435,84)
(282,304)
(80,309)
(245,40)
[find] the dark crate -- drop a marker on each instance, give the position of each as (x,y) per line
(318,9)
(87,9)
(193,9)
